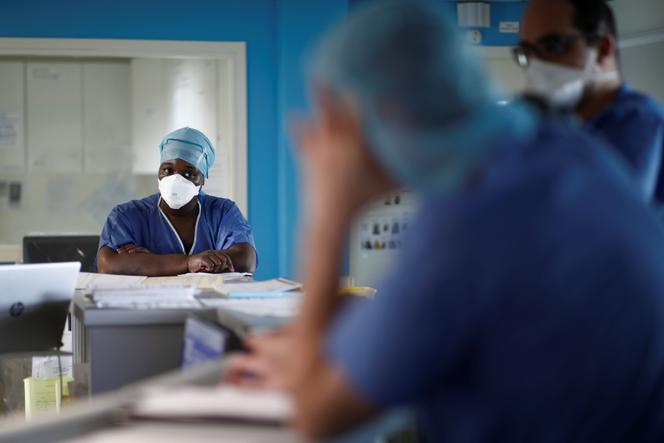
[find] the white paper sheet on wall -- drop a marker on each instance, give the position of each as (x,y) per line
(12,148)
(9,128)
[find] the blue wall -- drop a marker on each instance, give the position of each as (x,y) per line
(501,10)
(277,32)
(300,24)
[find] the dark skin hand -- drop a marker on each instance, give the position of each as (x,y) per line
(136,260)
(544,18)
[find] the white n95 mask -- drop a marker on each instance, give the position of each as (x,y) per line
(177,191)
(562,87)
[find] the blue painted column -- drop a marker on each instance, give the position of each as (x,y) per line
(300,23)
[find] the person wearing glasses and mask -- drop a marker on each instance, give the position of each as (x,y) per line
(569,52)
(180,229)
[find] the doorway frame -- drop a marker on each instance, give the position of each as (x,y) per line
(232,91)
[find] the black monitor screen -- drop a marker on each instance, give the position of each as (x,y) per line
(62,248)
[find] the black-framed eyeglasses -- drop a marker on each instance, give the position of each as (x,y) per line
(548,46)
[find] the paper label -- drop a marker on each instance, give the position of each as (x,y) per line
(509,27)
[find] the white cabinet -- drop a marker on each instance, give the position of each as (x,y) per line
(107,128)
(12,142)
(54,110)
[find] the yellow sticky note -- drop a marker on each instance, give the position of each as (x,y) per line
(43,394)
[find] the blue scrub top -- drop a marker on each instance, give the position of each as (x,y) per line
(531,308)
(634,126)
(141,222)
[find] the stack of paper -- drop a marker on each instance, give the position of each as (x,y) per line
(221,402)
(278,287)
(202,280)
(90,280)
(283,307)
(150,297)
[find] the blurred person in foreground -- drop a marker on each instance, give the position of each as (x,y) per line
(533,312)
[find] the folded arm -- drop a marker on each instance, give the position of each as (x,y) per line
(130,259)
(243,256)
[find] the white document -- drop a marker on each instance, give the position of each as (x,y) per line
(221,402)
(10,129)
(274,285)
(12,147)
(284,307)
(200,280)
(91,280)
(151,297)
(227,276)
(46,367)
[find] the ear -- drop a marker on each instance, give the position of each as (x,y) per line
(606,49)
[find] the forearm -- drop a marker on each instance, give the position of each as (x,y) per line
(332,406)
(110,262)
(243,256)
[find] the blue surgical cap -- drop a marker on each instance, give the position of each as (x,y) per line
(190,145)
(428,110)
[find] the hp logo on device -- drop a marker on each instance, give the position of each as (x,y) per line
(16,309)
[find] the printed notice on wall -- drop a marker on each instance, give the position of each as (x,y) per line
(12,147)
(9,128)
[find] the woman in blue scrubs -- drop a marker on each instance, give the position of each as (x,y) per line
(527,304)
(180,229)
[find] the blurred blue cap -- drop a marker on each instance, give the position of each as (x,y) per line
(428,110)
(190,145)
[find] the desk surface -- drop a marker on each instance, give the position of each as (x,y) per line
(153,432)
(104,420)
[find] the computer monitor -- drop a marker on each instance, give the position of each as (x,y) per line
(34,302)
(62,248)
